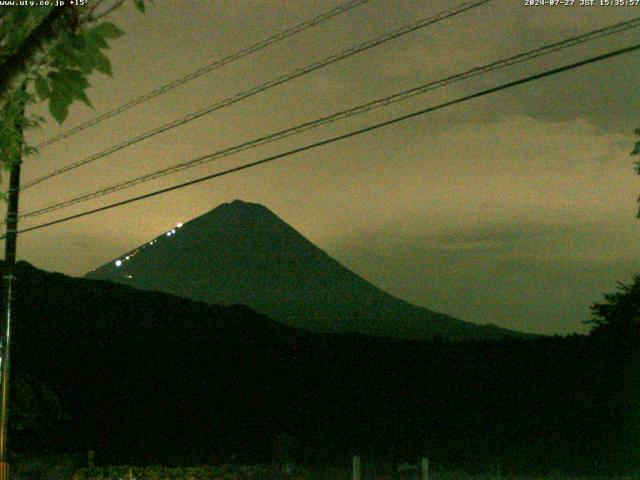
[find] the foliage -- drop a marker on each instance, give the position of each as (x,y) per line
(12,124)
(15,24)
(34,406)
(620,315)
(57,71)
(153,378)
(270,473)
(45,467)
(636,151)
(72,59)
(225,472)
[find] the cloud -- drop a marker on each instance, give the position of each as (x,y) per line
(520,221)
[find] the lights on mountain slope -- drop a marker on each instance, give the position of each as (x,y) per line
(173,230)
(119,262)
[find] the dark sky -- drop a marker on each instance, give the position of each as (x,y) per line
(517,208)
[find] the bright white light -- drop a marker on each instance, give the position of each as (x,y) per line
(168,234)
(179,225)
(118,263)
(127,257)
(173,230)
(150,243)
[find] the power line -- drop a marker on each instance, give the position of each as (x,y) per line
(265,86)
(353,133)
(360,109)
(278,37)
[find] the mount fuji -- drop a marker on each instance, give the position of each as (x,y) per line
(242,253)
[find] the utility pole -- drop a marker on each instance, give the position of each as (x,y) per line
(424,467)
(11,70)
(9,280)
(356,468)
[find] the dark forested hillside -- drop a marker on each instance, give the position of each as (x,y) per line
(152,378)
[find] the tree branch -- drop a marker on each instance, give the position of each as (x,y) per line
(110,10)
(16,63)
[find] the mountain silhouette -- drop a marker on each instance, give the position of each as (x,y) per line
(242,253)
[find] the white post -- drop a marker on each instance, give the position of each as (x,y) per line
(424,464)
(356,467)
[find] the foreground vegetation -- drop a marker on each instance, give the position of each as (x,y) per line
(146,378)
(66,468)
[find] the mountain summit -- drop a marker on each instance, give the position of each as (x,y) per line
(242,253)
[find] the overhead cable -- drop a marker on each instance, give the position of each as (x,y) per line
(262,87)
(360,109)
(337,138)
(278,37)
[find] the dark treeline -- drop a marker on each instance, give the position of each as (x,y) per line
(150,378)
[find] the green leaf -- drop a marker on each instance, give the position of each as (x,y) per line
(20,17)
(70,79)
(102,63)
(42,88)
(139,5)
(107,30)
(65,56)
(59,106)
(77,42)
(70,83)
(83,98)
(636,150)
(96,40)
